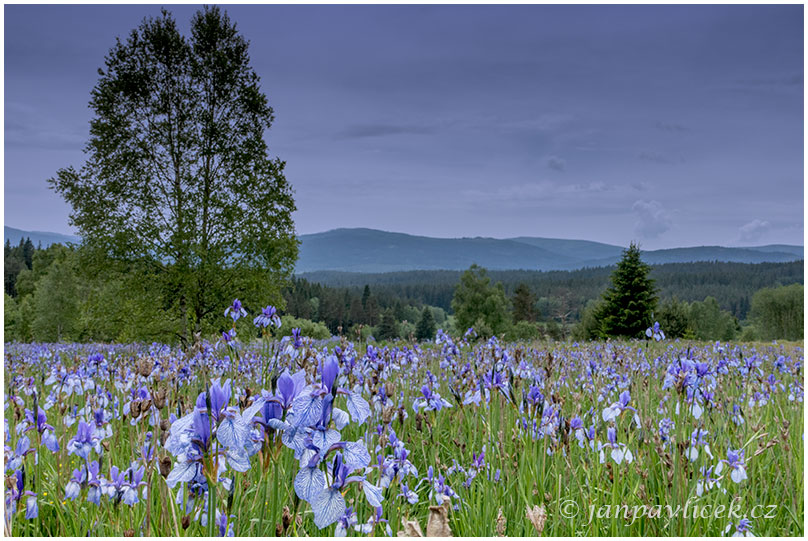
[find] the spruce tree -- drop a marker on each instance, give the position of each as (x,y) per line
(524,304)
(425,330)
(388,329)
(629,303)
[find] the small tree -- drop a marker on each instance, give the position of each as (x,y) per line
(425,330)
(524,304)
(709,322)
(56,304)
(629,303)
(479,304)
(388,329)
(779,312)
(673,317)
(11,316)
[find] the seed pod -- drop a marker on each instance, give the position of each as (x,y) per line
(278,530)
(145,406)
(537,516)
(186,521)
(134,409)
(144,367)
(165,425)
(159,399)
(129,533)
(502,523)
(165,466)
(286,518)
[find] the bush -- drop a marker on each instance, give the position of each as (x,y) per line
(311,329)
(673,318)
(478,304)
(589,326)
(779,312)
(749,333)
(709,322)
(524,330)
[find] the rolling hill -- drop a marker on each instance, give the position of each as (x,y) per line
(370,250)
(45,238)
(373,251)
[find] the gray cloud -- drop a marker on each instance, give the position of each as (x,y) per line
(556,163)
(652,219)
(465,98)
(657,157)
(383,130)
(671,127)
(27,128)
(640,186)
(754,230)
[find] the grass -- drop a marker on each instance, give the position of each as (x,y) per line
(548,471)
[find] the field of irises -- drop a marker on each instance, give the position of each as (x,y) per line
(459,436)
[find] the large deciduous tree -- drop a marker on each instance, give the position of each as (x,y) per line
(178,176)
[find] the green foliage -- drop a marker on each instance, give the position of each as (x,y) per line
(554,330)
(477,303)
(56,305)
(749,333)
(178,175)
(524,304)
(25,283)
(387,329)
(779,312)
(124,307)
(589,326)
(565,293)
(709,322)
(406,330)
(673,317)
(425,330)
(16,259)
(311,329)
(11,316)
(524,330)
(439,315)
(629,303)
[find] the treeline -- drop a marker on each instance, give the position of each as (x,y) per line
(357,310)
(50,296)
(563,295)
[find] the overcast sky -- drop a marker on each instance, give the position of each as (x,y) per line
(670,125)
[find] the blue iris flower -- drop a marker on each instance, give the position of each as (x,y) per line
(235,310)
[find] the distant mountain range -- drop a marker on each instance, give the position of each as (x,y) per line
(371,250)
(45,238)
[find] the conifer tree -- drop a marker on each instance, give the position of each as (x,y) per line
(629,303)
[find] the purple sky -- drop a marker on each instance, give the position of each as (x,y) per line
(671,125)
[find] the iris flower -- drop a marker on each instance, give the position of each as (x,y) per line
(267,317)
(613,412)
(84,442)
(655,331)
(235,310)
(735,460)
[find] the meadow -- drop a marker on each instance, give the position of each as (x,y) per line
(456,436)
